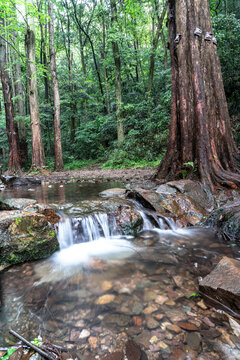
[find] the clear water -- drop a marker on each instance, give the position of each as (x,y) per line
(110,288)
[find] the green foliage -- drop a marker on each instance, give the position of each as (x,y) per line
(9,352)
(195,295)
(227,31)
(78,164)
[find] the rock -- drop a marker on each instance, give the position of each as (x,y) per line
(128,220)
(84,334)
(106,285)
(118,319)
(132,350)
(235,326)
(93,342)
(174,328)
(105,299)
(150,309)
(187,326)
(176,205)
(16,204)
(25,237)
(143,338)
(20,181)
(137,320)
(151,323)
(149,296)
(202,305)
(117,355)
(222,285)
(113,192)
(166,189)
(196,191)
(226,221)
(194,340)
(161,299)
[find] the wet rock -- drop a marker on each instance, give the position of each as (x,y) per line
(210,334)
(143,338)
(151,323)
(117,355)
(196,191)
(187,326)
(235,326)
(174,328)
(105,299)
(222,285)
(25,237)
(176,205)
(226,221)
(149,296)
(20,181)
(128,220)
(84,334)
(137,320)
(132,350)
(93,342)
(166,189)
(194,341)
(16,204)
(113,192)
(117,319)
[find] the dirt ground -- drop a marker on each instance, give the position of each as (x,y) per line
(95,173)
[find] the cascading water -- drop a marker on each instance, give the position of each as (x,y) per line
(92,236)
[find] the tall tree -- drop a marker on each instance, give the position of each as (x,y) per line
(14,164)
(118,81)
(58,161)
(200,130)
(38,156)
(156,35)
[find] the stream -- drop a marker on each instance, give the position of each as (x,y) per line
(102,288)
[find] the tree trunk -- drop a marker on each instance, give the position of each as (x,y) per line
(155,44)
(38,157)
(58,164)
(200,130)
(14,164)
(103,62)
(118,85)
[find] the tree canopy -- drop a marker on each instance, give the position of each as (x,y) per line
(113,68)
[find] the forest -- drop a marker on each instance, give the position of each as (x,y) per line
(87,82)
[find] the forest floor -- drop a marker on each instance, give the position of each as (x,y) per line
(96,173)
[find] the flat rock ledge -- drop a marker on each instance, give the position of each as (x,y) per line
(222,286)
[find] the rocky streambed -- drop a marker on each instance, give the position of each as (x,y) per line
(141,303)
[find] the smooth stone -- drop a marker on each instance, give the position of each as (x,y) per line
(113,192)
(223,284)
(194,340)
(105,299)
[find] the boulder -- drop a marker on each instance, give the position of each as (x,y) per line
(128,220)
(222,286)
(25,237)
(226,220)
(20,181)
(16,204)
(170,204)
(196,191)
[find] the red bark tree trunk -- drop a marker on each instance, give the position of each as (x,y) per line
(200,129)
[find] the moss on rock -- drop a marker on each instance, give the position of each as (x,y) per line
(26,238)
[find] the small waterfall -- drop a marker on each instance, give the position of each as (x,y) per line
(65,232)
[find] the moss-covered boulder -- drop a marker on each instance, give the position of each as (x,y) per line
(25,237)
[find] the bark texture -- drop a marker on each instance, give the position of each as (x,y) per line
(14,164)
(58,161)
(38,157)
(200,129)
